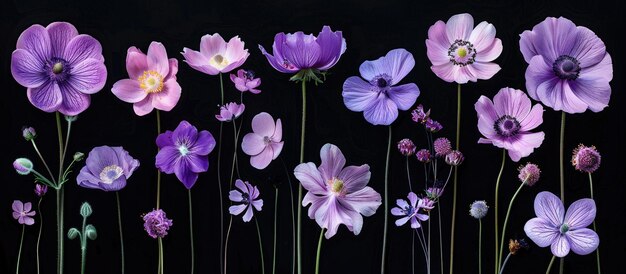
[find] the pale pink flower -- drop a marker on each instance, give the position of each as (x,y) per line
(264,143)
(215,55)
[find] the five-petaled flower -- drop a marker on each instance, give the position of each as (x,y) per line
(264,143)
(245,81)
(22,213)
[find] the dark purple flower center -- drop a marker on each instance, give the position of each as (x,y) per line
(382,82)
(58,69)
(566,67)
(507,126)
(249,74)
(245,198)
(462,53)
(408,210)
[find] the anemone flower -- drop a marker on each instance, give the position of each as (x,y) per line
(152,83)
(264,143)
(337,194)
(410,211)
(568,66)
(215,55)
(376,94)
(107,168)
(507,121)
(461,52)
(563,231)
(59,67)
(248,196)
(230,111)
(22,212)
(245,81)
(184,152)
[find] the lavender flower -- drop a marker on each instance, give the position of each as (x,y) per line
(264,143)
(230,111)
(40,190)
(529,173)
(406,147)
(423,155)
(156,223)
(432,125)
(478,209)
(442,146)
(216,55)
(245,81)
(454,158)
(410,211)
(434,193)
(107,168)
(418,115)
(22,213)
(248,196)
(586,159)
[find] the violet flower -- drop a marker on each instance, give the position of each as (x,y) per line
(156,223)
(507,121)
(248,196)
(376,94)
(337,194)
(245,81)
(410,211)
(59,67)
(41,190)
(184,152)
(107,168)
(215,55)
(461,53)
(563,231)
(568,66)
(22,213)
(230,111)
(586,159)
(152,80)
(264,143)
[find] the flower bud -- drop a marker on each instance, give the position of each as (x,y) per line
(73,233)
(454,158)
(23,166)
(78,156)
(29,133)
(85,210)
(90,232)
(41,190)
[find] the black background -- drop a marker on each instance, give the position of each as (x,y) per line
(371,29)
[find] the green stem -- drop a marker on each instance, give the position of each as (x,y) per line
(230,223)
(440,239)
(161,256)
(495,206)
(275,224)
(219,183)
(236,139)
(193,254)
(562,173)
(382,258)
(83,247)
(506,260)
(302,135)
(408,174)
(40,229)
(319,249)
(19,252)
(158,198)
(43,161)
(428,264)
(119,222)
(550,265)
(258,231)
(506,221)
(594,222)
(480,245)
(67,139)
(458,138)
(59,200)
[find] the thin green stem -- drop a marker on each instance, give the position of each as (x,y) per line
(59,200)
(562,172)
(193,254)
(293,219)
(236,139)
(40,229)
(319,249)
(161,256)
(19,252)
(230,223)
(158,198)
(506,221)
(219,183)
(299,218)
(275,225)
(83,247)
(119,222)
(480,246)
(67,139)
(495,206)
(595,228)
(258,232)
(382,258)
(43,161)
(550,265)
(458,138)
(408,174)
(428,264)
(440,238)
(222,89)
(506,260)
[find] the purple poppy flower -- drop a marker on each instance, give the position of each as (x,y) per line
(296,52)
(156,223)
(377,96)
(248,196)
(507,121)
(245,81)
(230,111)
(410,211)
(264,143)
(337,194)
(562,230)
(107,168)
(568,66)
(216,55)
(22,213)
(59,67)
(461,53)
(184,152)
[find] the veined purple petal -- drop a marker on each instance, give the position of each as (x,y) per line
(413,199)
(74,101)
(482,36)
(437,44)
(315,201)
(333,162)
(355,178)
(277,63)
(99,158)
(235,196)
(185,131)
(560,247)
(157,58)
(87,179)
(459,27)
(248,215)
(167,158)
(533,119)
(580,214)
(512,102)
(332,46)
(383,112)
(596,93)
(128,90)
(397,63)
(204,144)
(358,95)
(116,185)
(46,97)
(301,50)
(27,69)
(211,45)
(583,241)
(196,163)
(310,178)
(81,48)
(168,97)
(404,95)
(136,63)
(198,61)
(185,175)
(541,231)
(36,41)
(165,139)
(549,207)
(143,107)
(364,201)
(523,144)
(252,144)
(61,33)
(263,159)
(237,209)
(263,124)
(88,76)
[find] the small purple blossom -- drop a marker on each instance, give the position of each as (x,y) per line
(245,81)
(22,213)
(40,190)
(432,125)
(586,159)
(428,203)
(454,158)
(406,147)
(156,223)
(423,155)
(248,196)
(264,143)
(410,211)
(478,209)
(442,146)
(434,193)
(418,115)
(230,111)
(529,174)
(107,168)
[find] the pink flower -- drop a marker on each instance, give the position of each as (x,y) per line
(461,53)
(230,111)
(337,195)
(264,143)
(215,55)
(152,82)
(22,213)
(245,81)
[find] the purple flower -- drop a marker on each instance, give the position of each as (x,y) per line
(264,143)
(59,67)
(230,111)
(461,53)
(152,83)
(40,190)
(586,159)
(423,155)
(296,52)
(375,93)
(107,168)
(406,147)
(418,115)
(337,194)
(245,81)
(432,125)
(562,230)
(454,158)
(442,146)
(529,174)
(156,223)
(22,213)
(410,211)
(184,152)
(507,121)
(248,196)
(434,193)
(478,209)
(568,66)
(215,55)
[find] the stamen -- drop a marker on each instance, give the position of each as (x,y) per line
(151,81)
(462,53)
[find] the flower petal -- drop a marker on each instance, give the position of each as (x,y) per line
(301,50)
(537,73)
(136,63)
(588,49)
(490,52)
(185,175)
(276,149)
(252,144)
(88,76)
(446,71)
(383,112)
(412,199)
(583,241)
(404,95)
(278,131)
(580,214)
(237,209)
(364,201)
(249,213)
(480,70)
(199,62)
(358,95)
(128,90)
(27,69)
(167,99)
(560,247)
(437,44)
(99,158)
(197,163)
(533,119)
(397,63)
(263,159)
(17,206)
(204,144)
(263,124)
(332,46)
(144,106)
(46,97)
(61,33)
(74,101)
(459,27)
(549,207)
(36,40)
(157,58)
(210,45)
(355,178)
(512,102)
(482,36)
(487,115)
(333,162)
(541,231)
(167,159)
(310,178)
(402,221)
(81,48)
(235,196)
(523,145)
(596,93)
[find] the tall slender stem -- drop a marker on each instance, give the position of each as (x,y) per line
(480,246)
(59,200)
(382,259)
(299,218)
(550,265)
(258,231)
(40,229)
(67,138)
(562,173)
(506,221)
(236,139)
(19,252)
(428,264)
(440,239)
(506,260)
(43,161)
(319,249)
(458,138)
(293,220)
(275,225)
(161,257)
(594,222)
(83,247)
(119,222)
(158,198)
(408,174)
(495,206)
(230,223)
(219,183)
(193,254)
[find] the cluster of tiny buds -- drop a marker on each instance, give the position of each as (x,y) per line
(406,147)
(423,155)
(586,159)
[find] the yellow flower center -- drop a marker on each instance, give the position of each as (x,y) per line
(57,68)
(218,61)
(336,185)
(151,81)
(462,52)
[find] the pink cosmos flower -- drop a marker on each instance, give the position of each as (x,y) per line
(461,53)
(215,55)
(337,195)
(230,111)
(152,83)
(245,81)
(264,143)
(22,213)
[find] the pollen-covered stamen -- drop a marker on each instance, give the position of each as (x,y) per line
(336,185)
(507,126)
(219,61)
(111,173)
(462,53)
(151,81)
(566,67)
